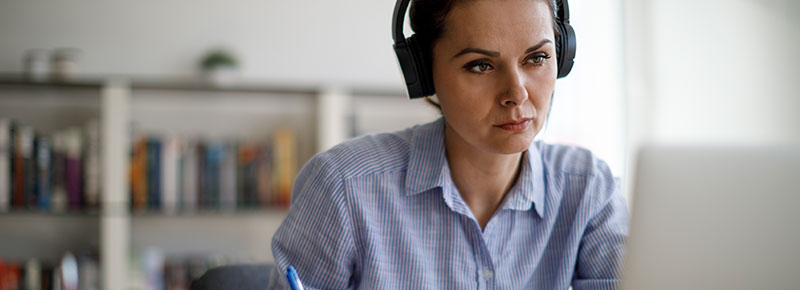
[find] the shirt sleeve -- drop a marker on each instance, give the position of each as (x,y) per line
(316,237)
(602,246)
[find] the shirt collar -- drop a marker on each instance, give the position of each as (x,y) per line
(427,169)
(530,187)
(427,158)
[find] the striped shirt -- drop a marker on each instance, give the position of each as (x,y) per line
(382,212)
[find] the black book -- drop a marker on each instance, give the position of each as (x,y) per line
(153,173)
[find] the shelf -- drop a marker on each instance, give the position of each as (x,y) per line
(210,213)
(241,235)
(45,235)
(189,83)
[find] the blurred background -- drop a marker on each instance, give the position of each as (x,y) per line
(156,139)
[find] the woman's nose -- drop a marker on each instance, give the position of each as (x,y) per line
(514,92)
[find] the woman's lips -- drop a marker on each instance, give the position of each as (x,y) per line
(514,125)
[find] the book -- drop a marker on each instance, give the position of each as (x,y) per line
(44,170)
(285,155)
(73,168)
(88,272)
(200,150)
(215,152)
(23,181)
(138,175)
(172,173)
(153,173)
(5,164)
(33,274)
(247,175)
(264,168)
(12,276)
(228,187)
(189,189)
(58,200)
(27,147)
(91,165)
(169,174)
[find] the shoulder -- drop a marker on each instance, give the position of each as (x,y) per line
(573,160)
(579,170)
(368,154)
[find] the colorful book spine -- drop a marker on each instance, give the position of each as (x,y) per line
(73,169)
(169,174)
(286,158)
(58,200)
(264,170)
(214,155)
(153,173)
(5,164)
(12,162)
(201,174)
(139,174)
(30,174)
(247,175)
(91,164)
(228,178)
(22,166)
(189,173)
(45,170)
(33,274)
(11,276)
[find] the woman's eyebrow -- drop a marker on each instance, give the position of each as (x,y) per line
(477,50)
(495,53)
(537,46)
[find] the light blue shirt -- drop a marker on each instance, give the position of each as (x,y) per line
(382,212)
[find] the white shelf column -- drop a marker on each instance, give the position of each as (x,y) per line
(114,218)
(333,109)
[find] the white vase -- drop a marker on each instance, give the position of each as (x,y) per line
(222,75)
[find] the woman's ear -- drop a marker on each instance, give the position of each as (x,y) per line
(434,101)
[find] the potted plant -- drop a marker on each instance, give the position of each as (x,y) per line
(220,67)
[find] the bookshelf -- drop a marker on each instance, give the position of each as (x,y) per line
(320,117)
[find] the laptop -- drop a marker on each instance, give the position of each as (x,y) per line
(715,218)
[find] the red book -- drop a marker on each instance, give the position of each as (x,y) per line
(22,154)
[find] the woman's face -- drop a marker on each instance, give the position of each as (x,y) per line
(494,69)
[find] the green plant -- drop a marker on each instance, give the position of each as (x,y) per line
(218,58)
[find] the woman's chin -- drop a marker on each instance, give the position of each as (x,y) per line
(513,145)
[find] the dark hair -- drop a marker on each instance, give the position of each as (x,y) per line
(427,19)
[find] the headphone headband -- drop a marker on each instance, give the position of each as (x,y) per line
(562,11)
(398,19)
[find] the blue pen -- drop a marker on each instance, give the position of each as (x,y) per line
(294,280)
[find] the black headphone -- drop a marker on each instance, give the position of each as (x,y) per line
(416,66)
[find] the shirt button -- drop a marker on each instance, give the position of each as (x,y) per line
(488,274)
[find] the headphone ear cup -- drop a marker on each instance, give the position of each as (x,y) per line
(565,49)
(424,67)
(415,66)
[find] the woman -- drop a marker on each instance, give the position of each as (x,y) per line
(468,201)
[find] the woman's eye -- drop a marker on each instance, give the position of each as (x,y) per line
(479,67)
(538,59)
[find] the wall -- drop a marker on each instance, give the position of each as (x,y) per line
(713,71)
(298,41)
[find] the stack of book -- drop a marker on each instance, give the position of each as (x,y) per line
(172,173)
(35,274)
(57,171)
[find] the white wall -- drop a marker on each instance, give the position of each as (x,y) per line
(588,107)
(713,71)
(298,41)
